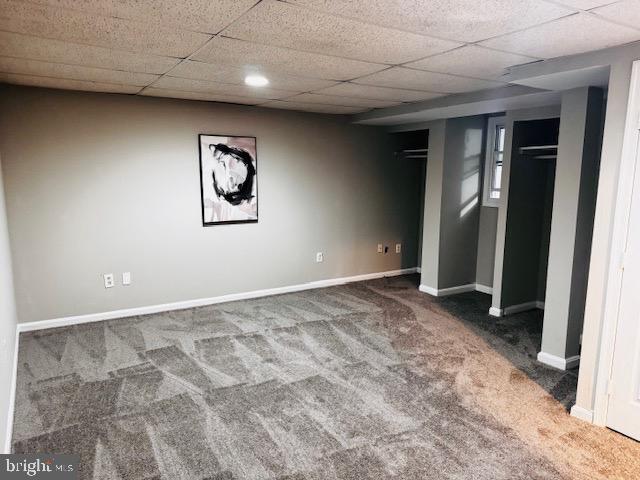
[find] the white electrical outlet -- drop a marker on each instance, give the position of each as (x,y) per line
(108,280)
(319,257)
(379,248)
(126,278)
(398,247)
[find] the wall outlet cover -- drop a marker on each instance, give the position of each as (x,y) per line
(319,257)
(379,248)
(108,280)
(126,278)
(398,247)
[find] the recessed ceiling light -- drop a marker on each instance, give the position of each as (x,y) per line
(256,80)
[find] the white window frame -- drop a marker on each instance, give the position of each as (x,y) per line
(492,124)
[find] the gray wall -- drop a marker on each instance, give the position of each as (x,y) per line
(460,201)
(7,322)
(452,202)
(430,257)
(572,222)
(110,183)
(487,227)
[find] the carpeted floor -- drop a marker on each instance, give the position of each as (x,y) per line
(373,380)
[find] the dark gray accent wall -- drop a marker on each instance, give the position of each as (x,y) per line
(546,229)
(460,212)
(529,183)
(487,228)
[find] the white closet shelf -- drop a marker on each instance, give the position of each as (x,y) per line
(415,150)
(420,153)
(537,148)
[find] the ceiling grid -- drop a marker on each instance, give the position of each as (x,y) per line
(326,56)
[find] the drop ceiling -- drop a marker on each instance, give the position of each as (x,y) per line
(327,56)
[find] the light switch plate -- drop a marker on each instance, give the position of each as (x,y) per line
(319,257)
(126,278)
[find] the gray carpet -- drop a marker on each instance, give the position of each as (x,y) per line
(336,383)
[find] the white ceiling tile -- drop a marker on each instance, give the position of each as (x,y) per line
(341,101)
(578,33)
(91,29)
(627,12)
(313,107)
(66,84)
(197,15)
(34,48)
(399,77)
(73,72)
(463,20)
(161,92)
(236,75)
(286,25)
(203,86)
(222,50)
(377,93)
(583,4)
(472,61)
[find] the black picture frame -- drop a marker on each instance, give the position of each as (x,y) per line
(206,223)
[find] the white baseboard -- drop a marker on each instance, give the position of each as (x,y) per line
(582,413)
(443,292)
(484,289)
(427,289)
(558,362)
(130,312)
(522,307)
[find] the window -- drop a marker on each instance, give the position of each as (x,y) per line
(493,162)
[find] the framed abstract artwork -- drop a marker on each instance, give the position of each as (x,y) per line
(228,179)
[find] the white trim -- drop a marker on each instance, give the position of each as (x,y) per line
(582,413)
(165,307)
(622,211)
(558,362)
(484,289)
(492,124)
(443,292)
(427,289)
(521,307)
(419,269)
(12,398)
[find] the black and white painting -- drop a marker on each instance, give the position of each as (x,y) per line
(228,179)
